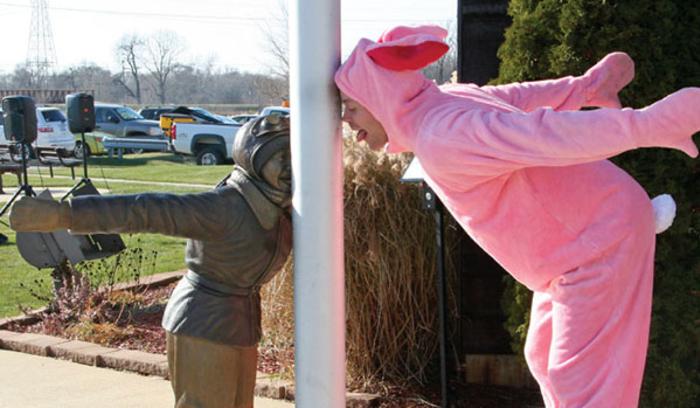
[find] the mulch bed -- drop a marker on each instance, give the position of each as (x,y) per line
(144,332)
(143,327)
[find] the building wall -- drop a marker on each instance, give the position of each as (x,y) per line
(481,27)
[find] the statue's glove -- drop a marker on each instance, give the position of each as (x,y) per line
(33,214)
(607,78)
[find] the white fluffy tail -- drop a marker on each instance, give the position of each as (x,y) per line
(664,212)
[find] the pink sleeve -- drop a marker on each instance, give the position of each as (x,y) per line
(545,137)
(566,93)
(598,87)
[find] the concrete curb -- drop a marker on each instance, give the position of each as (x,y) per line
(81,352)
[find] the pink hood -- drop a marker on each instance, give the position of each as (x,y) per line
(393,97)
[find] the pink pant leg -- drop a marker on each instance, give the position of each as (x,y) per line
(539,340)
(600,327)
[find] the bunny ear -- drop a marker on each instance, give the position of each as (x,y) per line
(409,48)
(399,32)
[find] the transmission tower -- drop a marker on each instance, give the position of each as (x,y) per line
(41,55)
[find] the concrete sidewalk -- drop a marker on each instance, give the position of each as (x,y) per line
(29,381)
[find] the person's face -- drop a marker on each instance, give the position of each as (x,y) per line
(361,121)
(277,172)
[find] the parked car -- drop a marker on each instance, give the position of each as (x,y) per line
(93,143)
(209,143)
(52,129)
(199,133)
(281,110)
(199,114)
(184,114)
(242,119)
(153,113)
(202,115)
(122,121)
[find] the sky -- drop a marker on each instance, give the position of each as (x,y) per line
(225,33)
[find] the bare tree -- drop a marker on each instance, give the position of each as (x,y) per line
(188,84)
(87,77)
(270,90)
(441,70)
(23,76)
(128,51)
(277,40)
(162,52)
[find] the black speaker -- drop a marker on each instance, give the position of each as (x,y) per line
(81,112)
(19,113)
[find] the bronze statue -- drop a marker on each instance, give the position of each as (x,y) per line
(239,236)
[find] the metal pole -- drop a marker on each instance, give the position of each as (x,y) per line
(442,298)
(319,282)
(84,146)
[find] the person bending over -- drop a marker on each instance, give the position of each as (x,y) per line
(525,174)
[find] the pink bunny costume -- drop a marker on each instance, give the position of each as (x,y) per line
(527,179)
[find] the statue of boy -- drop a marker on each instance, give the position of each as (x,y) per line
(238,236)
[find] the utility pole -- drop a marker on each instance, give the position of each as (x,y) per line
(41,54)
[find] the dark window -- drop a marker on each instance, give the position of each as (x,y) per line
(53,115)
(154,113)
(127,113)
(101,114)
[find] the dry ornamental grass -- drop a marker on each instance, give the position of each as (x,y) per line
(391,312)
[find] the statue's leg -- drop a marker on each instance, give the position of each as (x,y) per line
(205,374)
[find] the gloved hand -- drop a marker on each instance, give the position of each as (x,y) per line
(607,78)
(671,122)
(31,214)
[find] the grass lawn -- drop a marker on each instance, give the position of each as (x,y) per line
(157,167)
(38,184)
(162,167)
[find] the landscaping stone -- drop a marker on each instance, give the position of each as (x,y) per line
(271,388)
(136,361)
(361,400)
(31,317)
(81,352)
(31,343)
(6,335)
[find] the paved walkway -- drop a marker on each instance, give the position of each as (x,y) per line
(29,381)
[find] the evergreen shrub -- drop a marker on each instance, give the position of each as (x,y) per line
(552,38)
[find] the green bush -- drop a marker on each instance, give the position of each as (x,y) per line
(551,38)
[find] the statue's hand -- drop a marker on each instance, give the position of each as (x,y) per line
(33,214)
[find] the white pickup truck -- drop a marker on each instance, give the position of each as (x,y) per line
(210,143)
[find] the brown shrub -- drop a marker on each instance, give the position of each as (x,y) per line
(389,271)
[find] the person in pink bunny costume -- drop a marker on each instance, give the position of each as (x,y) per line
(524,172)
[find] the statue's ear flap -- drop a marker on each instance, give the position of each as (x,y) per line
(409,48)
